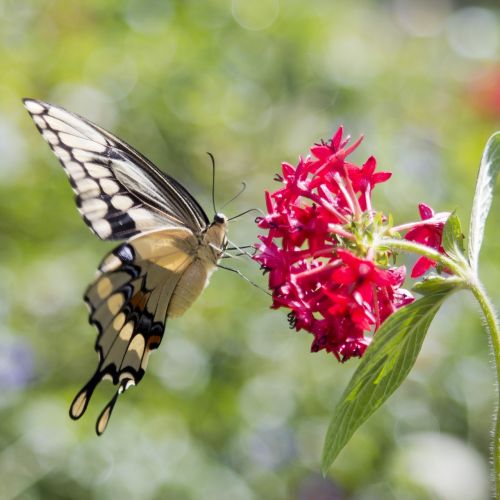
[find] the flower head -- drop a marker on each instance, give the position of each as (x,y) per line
(320,249)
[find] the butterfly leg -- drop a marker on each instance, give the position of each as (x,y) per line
(239,273)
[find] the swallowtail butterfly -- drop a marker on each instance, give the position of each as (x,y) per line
(169,252)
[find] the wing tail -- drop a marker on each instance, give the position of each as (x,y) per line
(103,418)
(81,400)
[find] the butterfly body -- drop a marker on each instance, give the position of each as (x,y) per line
(170,249)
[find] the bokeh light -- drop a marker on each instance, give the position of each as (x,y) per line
(234,406)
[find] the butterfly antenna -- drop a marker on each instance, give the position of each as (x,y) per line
(212,159)
(241,191)
(245,278)
(247,212)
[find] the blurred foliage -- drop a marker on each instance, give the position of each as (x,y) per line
(234,406)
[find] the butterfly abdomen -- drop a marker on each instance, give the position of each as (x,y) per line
(195,278)
(188,289)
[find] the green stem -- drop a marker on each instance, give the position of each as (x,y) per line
(411,246)
(494,331)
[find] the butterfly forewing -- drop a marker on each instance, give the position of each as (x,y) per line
(119,192)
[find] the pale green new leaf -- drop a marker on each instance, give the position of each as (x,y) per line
(383,368)
(485,186)
(452,236)
(438,284)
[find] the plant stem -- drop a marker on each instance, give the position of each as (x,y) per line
(494,331)
(411,246)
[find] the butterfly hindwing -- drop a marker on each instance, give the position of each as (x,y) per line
(119,192)
(129,304)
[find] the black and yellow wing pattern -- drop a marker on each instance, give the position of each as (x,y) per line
(119,192)
(157,273)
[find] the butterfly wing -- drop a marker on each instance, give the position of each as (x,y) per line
(129,302)
(122,195)
(119,192)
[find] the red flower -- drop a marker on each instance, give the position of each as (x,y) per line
(320,265)
(365,178)
(430,234)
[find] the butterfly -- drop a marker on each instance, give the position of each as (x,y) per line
(170,248)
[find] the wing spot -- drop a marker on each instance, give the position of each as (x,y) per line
(121,202)
(94,209)
(88,188)
(129,382)
(84,156)
(104,287)
(154,340)
(145,360)
(74,170)
(103,420)
(142,218)
(139,300)
(109,187)
(96,170)
(61,153)
(137,344)
(133,357)
(78,406)
(110,263)
(50,137)
(34,107)
(40,122)
(126,254)
(126,331)
(115,303)
(102,228)
(118,322)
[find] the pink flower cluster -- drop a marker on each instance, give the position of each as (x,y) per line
(321,249)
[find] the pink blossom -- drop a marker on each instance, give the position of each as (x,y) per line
(430,234)
(335,288)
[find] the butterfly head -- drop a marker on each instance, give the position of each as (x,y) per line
(220,219)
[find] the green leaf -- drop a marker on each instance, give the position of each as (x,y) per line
(485,186)
(383,368)
(453,236)
(437,284)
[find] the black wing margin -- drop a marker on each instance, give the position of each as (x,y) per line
(119,192)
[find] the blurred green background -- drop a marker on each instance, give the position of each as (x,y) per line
(233,405)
